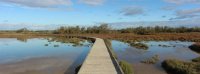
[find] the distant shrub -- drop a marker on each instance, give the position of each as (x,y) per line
(195,47)
(126,67)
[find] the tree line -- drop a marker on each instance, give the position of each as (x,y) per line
(106,29)
(159,29)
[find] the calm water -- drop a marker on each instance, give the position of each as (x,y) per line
(174,50)
(40,56)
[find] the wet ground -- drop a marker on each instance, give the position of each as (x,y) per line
(164,49)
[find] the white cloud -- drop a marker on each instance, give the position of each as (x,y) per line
(132,10)
(38,3)
(8,26)
(187,14)
(189,11)
(182,1)
(92,2)
(184,17)
(170,7)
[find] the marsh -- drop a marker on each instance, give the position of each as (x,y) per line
(133,55)
(39,56)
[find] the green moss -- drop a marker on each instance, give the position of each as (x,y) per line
(196,59)
(126,67)
(151,60)
(180,67)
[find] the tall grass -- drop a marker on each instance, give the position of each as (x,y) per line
(181,67)
(196,60)
(151,60)
(126,67)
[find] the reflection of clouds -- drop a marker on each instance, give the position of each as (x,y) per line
(59,65)
(134,51)
(132,54)
(6,41)
(140,68)
(31,59)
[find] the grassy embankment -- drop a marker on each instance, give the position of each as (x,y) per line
(126,67)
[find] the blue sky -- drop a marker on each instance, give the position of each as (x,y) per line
(88,12)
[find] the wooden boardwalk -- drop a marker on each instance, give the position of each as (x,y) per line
(98,60)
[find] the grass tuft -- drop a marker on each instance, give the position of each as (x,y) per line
(196,60)
(126,67)
(140,46)
(151,60)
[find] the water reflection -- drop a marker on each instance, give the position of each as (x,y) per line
(164,49)
(31,56)
(73,41)
(22,39)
